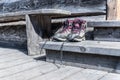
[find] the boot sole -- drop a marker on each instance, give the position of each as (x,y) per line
(59,39)
(78,40)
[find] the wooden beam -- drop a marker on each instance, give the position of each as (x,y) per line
(113,9)
(85,47)
(52,12)
(34,35)
(110,23)
(36,27)
(12,19)
(101,23)
(20,23)
(81,14)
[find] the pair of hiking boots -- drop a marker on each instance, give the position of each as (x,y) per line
(72,30)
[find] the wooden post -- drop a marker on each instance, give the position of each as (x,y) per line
(113,9)
(35,26)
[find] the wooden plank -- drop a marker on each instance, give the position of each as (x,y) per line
(12,19)
(52,12)
(19,68)
(87,74)
(14,63)
(32,73)
(87,18)
(113,10)
(35,27)
(90,61)
(92,47)
(11,56)
(55,19)
(11,59)
(111,76)
(107,34)
(11,53)
(82,14)
(59,74)
(108,23)
(8,55)
(18,23)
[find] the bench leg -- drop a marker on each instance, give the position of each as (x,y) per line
(36,26)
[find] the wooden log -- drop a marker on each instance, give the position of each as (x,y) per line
(113,10)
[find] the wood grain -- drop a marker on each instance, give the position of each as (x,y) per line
(113,10)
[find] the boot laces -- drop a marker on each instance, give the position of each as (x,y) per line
(78,26)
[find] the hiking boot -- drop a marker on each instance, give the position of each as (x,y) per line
(64,31)
(78,31)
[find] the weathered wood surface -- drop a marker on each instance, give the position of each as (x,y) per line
(118,67)
(105,30)
(21,69)
(17,23)
(97,62)
(38,26)
(113,10)
(87,18)
(12,19)
(92,47)
(108,23)
(107,34)
(100,22)
(34,34)
(59,74)
(111,76)
(90,23)
(70,5)
(52,12)
(87,74)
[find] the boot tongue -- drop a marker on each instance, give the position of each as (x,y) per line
(68,25)
(76,27)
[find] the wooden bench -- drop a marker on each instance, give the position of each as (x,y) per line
(106,30)
(91,47)
(100,55)
(38,23)
(103,55)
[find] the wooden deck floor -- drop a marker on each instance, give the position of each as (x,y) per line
(15,65)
